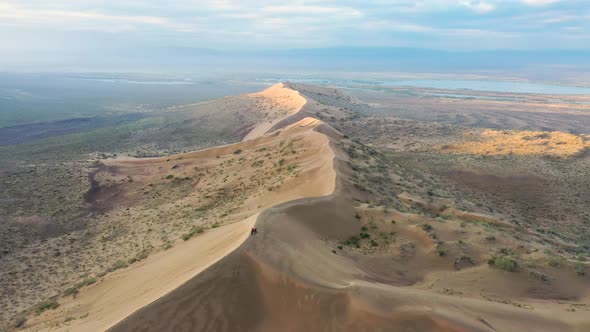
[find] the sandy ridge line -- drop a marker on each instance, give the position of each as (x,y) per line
(126,291)
(253,220)
(290,98)
(259,218)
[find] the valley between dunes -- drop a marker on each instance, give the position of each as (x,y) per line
(294,177)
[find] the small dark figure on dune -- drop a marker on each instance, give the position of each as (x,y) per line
(253,231)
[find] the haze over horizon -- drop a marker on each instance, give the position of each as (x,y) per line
(184,34)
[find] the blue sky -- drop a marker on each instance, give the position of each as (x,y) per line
(60,28)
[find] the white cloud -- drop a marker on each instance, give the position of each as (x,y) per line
(479,6)
(539,2)
(394,26)
(15,15)
(572,28)
(310,10)
(276,23)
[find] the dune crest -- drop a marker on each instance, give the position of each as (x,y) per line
(102,305)
(279,102)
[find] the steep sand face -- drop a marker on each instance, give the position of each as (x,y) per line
(279,102)
(126,291)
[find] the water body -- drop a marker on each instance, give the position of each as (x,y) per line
(147,82)
(462,96)
(493,86)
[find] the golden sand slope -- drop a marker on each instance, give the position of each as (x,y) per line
(279,102)
(100,306)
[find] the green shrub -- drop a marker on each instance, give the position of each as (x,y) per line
(374,243)
(555,261)
(46,305)
(120,264)
(74,289)
(504,263)
(89,281)
(195,230)
(71,291)
(169,176)
(426,227)
(142,255)
(19,321)
(539,276)
(353,240)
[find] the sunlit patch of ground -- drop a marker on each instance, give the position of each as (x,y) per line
(503,142)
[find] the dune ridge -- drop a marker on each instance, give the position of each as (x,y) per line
(292,276)
(102,305)
(280,102)
(290,279)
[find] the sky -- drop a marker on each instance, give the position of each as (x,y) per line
(45,32)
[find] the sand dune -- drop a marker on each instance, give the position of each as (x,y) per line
(294,274)
(289,279)
(280,103)
(100,306)
(292,278)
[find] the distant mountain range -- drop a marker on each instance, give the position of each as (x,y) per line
(185,59)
